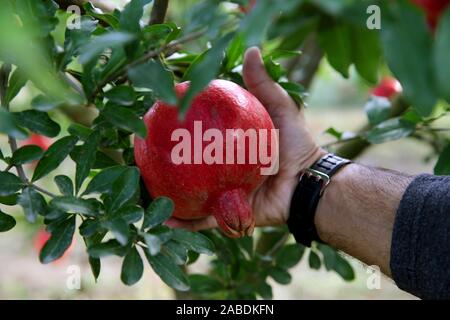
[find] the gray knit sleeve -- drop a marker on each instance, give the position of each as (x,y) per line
(420,251)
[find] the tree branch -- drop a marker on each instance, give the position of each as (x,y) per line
(158,11)
(303,68)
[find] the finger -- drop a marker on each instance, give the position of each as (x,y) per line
(260,84)
(193,225)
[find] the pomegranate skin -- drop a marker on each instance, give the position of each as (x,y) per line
(200,190)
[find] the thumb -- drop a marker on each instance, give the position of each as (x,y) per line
(261,85)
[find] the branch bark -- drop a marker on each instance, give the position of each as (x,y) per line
(159,11)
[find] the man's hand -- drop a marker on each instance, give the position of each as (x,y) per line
(298,150)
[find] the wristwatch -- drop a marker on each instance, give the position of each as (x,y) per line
(311,185)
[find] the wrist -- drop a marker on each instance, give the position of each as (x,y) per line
(327,208)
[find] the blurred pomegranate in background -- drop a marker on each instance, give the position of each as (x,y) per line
(433,10)
(36,139)
(388,88)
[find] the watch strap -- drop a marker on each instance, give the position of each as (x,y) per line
(306,196)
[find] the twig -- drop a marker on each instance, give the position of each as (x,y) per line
(158,11)
(50,194)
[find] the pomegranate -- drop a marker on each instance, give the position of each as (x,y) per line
(388,88)
(199,189)
(36,139)
(433,10)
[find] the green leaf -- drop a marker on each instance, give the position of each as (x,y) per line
(442,166)
(75,205)
(335,133)
(273,68)
(409,57)
(97,45)
(26,154)
(168,271)
(378,109)
(289,255)
(38,121)
(122,95)
(204,69)
(131,214)
(9,125)
(344,269)
(366,51)
(280,275)
(44,103)
(176,251)
(109,248)
(90,227)
(53,157)
(110,19)
(329,256)
(125,119)
(158,212)
(255,24)
(80,131)
(32,203)
(441,58)
(153,75)
(7,222)
(158,33)
(392,129)
(124,188)
(264,290)
(64,184)
(295,90)
(132,268)
(60,240)
(9,184)
(234,52)
(202,284)
(337,44)
(314,260)
(16,82)
(96,266)
(119,229)
(103,181)
(194,241)
(153,243)
(131,15)
(86,159)
(9,200)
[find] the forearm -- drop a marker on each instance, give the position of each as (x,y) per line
(356,213)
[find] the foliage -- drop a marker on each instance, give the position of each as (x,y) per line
(118,65)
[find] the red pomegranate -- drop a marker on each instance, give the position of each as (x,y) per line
(388,88)
(36,139)
(201,189)
(433,10)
